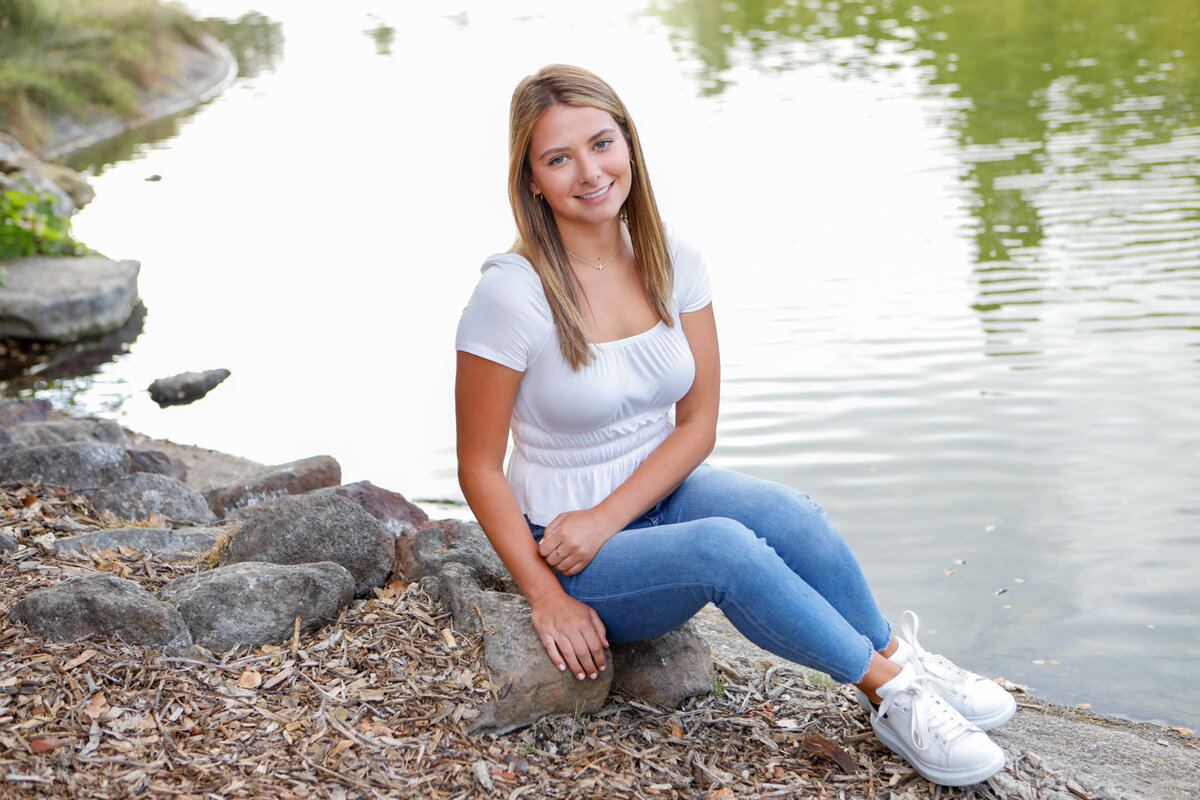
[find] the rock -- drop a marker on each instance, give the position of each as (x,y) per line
(78,466)
(146,494)
(161,542)
(25,409)
(157,462)
(666,670)
(295,478)
(450,540)
(185,388)
(102,605)
(399,517)
(8,542)
(6,442)
(531,686)
(65,431)
(63,299)
(15,159)
(32,183)
(311,528)
(249,604)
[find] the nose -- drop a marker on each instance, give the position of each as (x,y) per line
(589,171)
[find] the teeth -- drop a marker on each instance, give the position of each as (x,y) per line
(596,194)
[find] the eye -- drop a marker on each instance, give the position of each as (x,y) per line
(604,144)
(554,162)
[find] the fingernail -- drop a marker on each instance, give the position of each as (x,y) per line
(592,676)
(562,667)
(602,669)
(580,676)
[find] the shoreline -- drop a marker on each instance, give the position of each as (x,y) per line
(1087,755)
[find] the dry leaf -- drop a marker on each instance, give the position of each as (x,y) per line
(44,745)
(819,745)
(676,728)
(251,679)
(96,706)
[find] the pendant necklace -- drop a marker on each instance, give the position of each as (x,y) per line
(599,264)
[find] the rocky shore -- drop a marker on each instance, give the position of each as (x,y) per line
(177,561)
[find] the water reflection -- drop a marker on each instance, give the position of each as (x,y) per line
(255,39)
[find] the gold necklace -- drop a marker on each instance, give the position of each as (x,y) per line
(599,264)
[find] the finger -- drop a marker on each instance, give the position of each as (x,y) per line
(571,654)
(598,627)
(595,649)
(552,651)
(583,654)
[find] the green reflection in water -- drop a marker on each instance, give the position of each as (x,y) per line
(1074,115)
(1116,65)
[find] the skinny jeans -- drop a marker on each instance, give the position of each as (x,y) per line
(763,553)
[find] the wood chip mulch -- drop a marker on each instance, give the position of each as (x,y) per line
(379,704)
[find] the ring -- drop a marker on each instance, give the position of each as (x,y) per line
(558,552)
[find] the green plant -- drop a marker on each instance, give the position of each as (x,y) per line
(718,686)
(30,225)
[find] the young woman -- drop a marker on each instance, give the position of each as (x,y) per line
(593,342)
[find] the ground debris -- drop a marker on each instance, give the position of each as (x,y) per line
(378,705)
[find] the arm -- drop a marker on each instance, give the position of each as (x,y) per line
(484,393)
(572,539)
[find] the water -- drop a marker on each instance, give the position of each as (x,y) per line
(955,251)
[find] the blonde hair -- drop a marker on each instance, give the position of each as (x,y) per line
(537,233)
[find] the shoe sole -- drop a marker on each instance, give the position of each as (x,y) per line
(941,775)
(983,723)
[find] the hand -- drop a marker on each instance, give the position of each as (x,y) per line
(572,634)
(573,538)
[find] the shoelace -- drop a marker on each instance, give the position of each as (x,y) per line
(928,665)
(930,715)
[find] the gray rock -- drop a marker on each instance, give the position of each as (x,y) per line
(399,517)
(310,528)
(102,605)
(14,411)
(17,160)
(65,431)
(6,441)
(157,462)
(8,542)
(160,541)
(666,670)
(63,299)
(249,604)
(31,182)
(450,540)
(78,466)
(295,478)
(531,686)
(146,494)
(188,387)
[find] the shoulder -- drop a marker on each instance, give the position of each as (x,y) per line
(691,289)
(507,318)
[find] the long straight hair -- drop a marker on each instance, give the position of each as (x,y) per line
(537,233)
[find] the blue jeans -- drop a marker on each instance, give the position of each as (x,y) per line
(765,554)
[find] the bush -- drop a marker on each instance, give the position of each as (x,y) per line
(30,225)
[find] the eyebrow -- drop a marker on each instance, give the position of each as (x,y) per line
(594,137)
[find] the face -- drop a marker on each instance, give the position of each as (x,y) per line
(580,163)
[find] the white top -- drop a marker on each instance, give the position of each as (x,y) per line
(578,435)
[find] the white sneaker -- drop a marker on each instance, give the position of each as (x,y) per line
(982,701)
(916,723)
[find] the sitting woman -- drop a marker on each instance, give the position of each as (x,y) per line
(593,341)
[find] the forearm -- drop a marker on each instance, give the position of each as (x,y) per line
(495,508)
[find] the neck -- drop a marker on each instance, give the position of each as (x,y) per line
(593,244)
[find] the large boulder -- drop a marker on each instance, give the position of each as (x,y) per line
(665,670)
(162,542)
(78,466)
(157,462)
(250,604)
(531,686)
(310,528)
(65,431)
(447,540)
(399,517)
(102,605)
(147,494)
(268,483)
(63,299)
(14,411)
(187,387)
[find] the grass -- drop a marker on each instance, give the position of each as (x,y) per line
(81,58)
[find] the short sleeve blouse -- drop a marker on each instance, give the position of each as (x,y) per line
(577,435)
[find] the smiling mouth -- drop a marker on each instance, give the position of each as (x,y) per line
(596,194)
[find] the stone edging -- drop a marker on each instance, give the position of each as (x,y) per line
(204,73)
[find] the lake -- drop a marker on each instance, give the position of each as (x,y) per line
(955,254)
